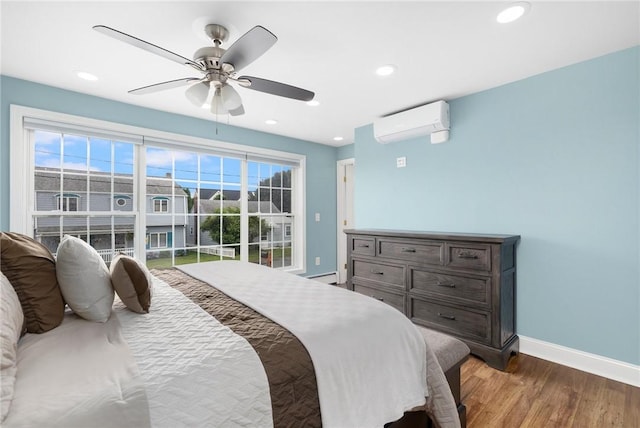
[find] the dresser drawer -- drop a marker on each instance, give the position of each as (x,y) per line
(468,256)
(467,324)
(389,274)
(363,246)
(392,299)
(422,251)
(471,289)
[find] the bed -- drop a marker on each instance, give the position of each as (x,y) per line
(230,344)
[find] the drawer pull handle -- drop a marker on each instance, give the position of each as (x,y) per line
(408,250)
(363,245)
(467,255)
(378,298)
(377,272)
(449,317)
(446,284)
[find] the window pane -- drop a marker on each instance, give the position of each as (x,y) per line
(123,159)
(270,188)
(71,204)
(75,153)
(100,158)
(186,165)
(83,181)
(211,168)
(276,179)
(231,169)
(159,163)
(47,149)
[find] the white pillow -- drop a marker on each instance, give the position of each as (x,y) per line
(84,279)
(11,323)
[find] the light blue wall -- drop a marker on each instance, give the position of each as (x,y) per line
(345,152)
(553,158)
(321,159)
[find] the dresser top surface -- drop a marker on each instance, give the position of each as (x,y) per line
(450,236)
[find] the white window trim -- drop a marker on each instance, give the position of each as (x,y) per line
(157,235)
(21,153)
(164,207)
(63,201)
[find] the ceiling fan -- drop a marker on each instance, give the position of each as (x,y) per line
(219,67)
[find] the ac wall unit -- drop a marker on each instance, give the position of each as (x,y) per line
(424,120)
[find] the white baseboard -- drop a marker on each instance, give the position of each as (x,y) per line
(591,363)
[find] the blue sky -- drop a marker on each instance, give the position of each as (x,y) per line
(98,155)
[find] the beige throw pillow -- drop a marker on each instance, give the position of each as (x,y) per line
(132,281)
(30,268)
(84,279)
(11,321)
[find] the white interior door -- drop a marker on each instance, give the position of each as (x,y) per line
(345,179)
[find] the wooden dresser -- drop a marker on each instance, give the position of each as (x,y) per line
(460,284)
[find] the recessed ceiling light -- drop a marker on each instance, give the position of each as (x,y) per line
(270,122)
(313,103)
(513,12)
(386,70)
(338,138)
(86,76)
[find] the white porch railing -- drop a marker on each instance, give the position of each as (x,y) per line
(109,254)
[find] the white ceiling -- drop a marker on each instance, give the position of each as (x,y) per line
(443,50)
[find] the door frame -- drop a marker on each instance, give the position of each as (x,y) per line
(342,215)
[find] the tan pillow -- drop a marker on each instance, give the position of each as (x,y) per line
(11,321)
(132,281)
(30,268)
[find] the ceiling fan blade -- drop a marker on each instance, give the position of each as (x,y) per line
(164,85)
(237,111)
(249,47)
(276,88)
(149,47)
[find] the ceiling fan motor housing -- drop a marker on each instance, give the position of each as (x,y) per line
(209,57)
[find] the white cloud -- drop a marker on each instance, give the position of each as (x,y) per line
(162,158)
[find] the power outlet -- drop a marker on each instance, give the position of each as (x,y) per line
(401,162)
(317,261)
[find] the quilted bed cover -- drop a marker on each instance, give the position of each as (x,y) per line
(173,367)
(369,359)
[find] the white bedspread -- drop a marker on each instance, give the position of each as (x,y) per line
(196,371)
(80,374)
(174,367)
(369,359)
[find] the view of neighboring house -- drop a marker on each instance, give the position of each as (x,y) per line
(277,232)
(94,193)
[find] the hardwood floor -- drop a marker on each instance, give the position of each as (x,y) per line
(537,393)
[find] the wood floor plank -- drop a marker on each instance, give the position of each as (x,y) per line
(632,407)
(535,393)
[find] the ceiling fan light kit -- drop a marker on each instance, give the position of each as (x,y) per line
(198,93)
(218,66)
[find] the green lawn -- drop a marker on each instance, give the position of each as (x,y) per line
(192,257)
